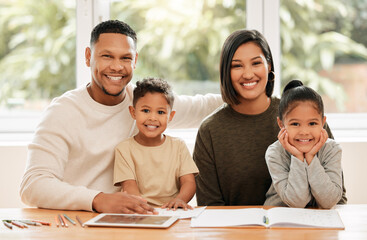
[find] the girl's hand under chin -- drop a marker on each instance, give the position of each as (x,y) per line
(311,154)
(283,139)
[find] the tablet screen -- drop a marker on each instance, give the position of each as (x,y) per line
(131,220)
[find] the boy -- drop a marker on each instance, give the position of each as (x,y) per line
(157,167)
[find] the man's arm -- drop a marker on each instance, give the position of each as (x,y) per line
(43,182)
(121,202)
(191,110)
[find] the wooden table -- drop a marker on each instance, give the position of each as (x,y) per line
(354,218)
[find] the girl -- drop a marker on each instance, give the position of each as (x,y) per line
(304,164)
(231,143)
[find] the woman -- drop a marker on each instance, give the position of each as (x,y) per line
(231,143)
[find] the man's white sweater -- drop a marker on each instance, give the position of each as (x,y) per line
(70,159)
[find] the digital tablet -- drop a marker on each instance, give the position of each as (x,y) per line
(131,220)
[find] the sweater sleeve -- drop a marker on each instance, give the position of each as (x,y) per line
(325,176)
(42,183)
(191,110)
(208,191)
(289,177)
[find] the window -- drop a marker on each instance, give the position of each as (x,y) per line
(324,45)
(320,42)
(37,60)
(181,40)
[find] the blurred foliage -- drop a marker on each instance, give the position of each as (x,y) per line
(37,48)
(177,40)
(314,34)
(180,39)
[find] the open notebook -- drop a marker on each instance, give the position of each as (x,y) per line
(275,217)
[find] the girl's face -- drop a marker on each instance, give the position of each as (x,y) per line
(249,72)
(304,125)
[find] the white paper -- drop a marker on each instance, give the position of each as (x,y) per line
(229,217)
(180,213)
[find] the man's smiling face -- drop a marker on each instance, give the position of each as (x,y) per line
(112,60)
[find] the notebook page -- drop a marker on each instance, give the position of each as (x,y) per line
(229,217)
(299,217)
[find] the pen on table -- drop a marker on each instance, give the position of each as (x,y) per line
(8,224)
(64,220)
(61,221)
(80,221)
(69,219)
(56,221)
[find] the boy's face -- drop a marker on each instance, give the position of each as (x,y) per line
(152,114)
(304,125)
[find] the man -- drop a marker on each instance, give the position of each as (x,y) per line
(70,160)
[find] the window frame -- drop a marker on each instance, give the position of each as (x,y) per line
(17,129)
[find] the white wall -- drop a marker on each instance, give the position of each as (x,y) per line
(13,160)
(12,164)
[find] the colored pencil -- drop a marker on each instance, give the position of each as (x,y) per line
(80,221)
(61,221)
(8,225)
(64,220)
(56,221)
(69,219)
(18,224)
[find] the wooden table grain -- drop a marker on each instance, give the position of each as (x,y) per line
(354,218)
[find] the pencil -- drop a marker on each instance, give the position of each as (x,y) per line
(8,225)
(56,221)
(18,224)
(64,220)
(29,222)
(80,221)
(61,221)
(69,219)
(42,222)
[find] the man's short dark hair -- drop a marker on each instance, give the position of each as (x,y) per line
(112,26)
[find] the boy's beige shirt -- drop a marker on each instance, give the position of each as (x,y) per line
(156,170)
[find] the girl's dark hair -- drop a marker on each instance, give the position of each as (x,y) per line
(153,85)
(112,26)
(232,43)
(295,92)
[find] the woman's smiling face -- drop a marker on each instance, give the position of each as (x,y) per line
(249,72)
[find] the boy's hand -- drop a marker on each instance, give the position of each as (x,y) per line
(175,203)
(310,155)
(283,139)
